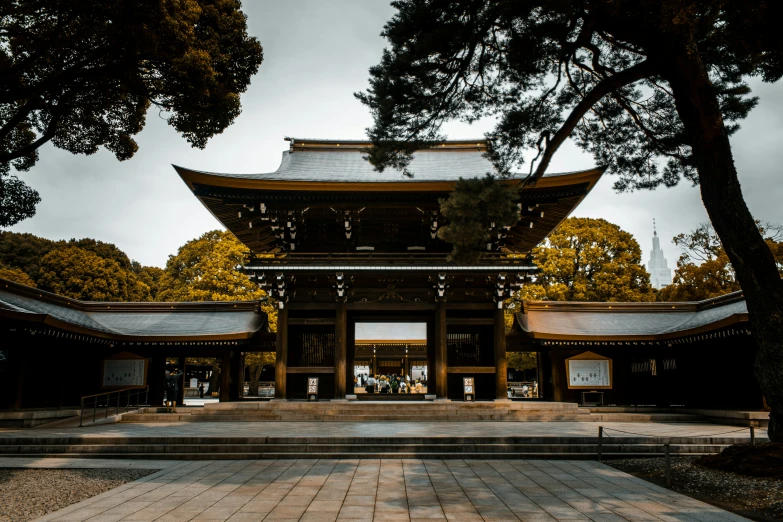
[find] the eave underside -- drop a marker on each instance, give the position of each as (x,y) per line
(387,222)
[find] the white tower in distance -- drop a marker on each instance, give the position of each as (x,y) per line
(660,274)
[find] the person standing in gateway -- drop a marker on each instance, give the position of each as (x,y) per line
(172,389)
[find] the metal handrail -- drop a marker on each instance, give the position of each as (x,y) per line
(97,401)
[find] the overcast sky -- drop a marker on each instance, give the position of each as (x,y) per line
(316,55)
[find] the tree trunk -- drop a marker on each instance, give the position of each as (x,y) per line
(255,377)
(753,262)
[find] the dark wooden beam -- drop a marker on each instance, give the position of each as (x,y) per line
(281,358)
(441,366)
(310,369)
(501,374)
(340,350)
(472,369)
(225,376)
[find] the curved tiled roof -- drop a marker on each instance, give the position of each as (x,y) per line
(149,321)
(629,321)
(343,161)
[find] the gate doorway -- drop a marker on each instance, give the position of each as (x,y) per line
(390,360)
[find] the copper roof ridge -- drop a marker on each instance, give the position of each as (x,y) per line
(634,307)
(126,306)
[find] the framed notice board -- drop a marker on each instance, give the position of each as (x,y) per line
(124,370)
(589,370)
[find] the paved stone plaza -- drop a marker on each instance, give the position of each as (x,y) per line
(389,429)
(394,490)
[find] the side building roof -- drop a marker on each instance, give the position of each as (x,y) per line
(553,320)
(207,321)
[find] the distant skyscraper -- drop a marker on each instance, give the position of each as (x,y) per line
(660,274)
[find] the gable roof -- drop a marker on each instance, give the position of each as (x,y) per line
(629,321)
(133,321)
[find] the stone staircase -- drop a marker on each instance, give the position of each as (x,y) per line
(511,411)
(370,447)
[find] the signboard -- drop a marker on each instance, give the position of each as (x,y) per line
(312,388)
(589,370)
(469,389)
(124,370)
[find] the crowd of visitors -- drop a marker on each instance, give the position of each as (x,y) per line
(389,384)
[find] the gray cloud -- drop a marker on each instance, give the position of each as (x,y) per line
(316,56)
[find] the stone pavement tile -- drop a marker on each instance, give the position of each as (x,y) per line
(356,512)
(359,500)
(326,494)
(395,504)
(222,512)
(296,500)
(428,512)
(243,517)
(318,517)
(464,517)
(261,507)
(324,506)
(391,516)
(106,518)
(613,517)
(283,512)
(80,514)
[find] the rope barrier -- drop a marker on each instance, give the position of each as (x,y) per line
(670,436)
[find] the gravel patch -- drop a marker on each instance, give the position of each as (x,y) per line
(26,494)
(759,499)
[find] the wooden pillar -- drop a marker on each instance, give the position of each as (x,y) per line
(225,376)
(501,367)
(340,350)
(236,375)
(156,370)
(441,366)
(183,381)
(19,372)
(281,357)
(350,356)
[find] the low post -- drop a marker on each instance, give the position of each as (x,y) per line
(600,442)
(752,435)
(81,414)
(668,465)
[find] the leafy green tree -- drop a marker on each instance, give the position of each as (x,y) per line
(704,270)
(652,88)
(81,274)
(149,275)
(209,268)
(24,251)
(586,259)
(83,74)
(16,275)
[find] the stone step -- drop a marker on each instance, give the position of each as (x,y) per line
(250,417)
(359,455)
(349,450)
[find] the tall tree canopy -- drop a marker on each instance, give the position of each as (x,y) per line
(587,259)
(652,88)
(81,274)
(704,270)
(25,253)
(83,73)
(16,275)
(209,268)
